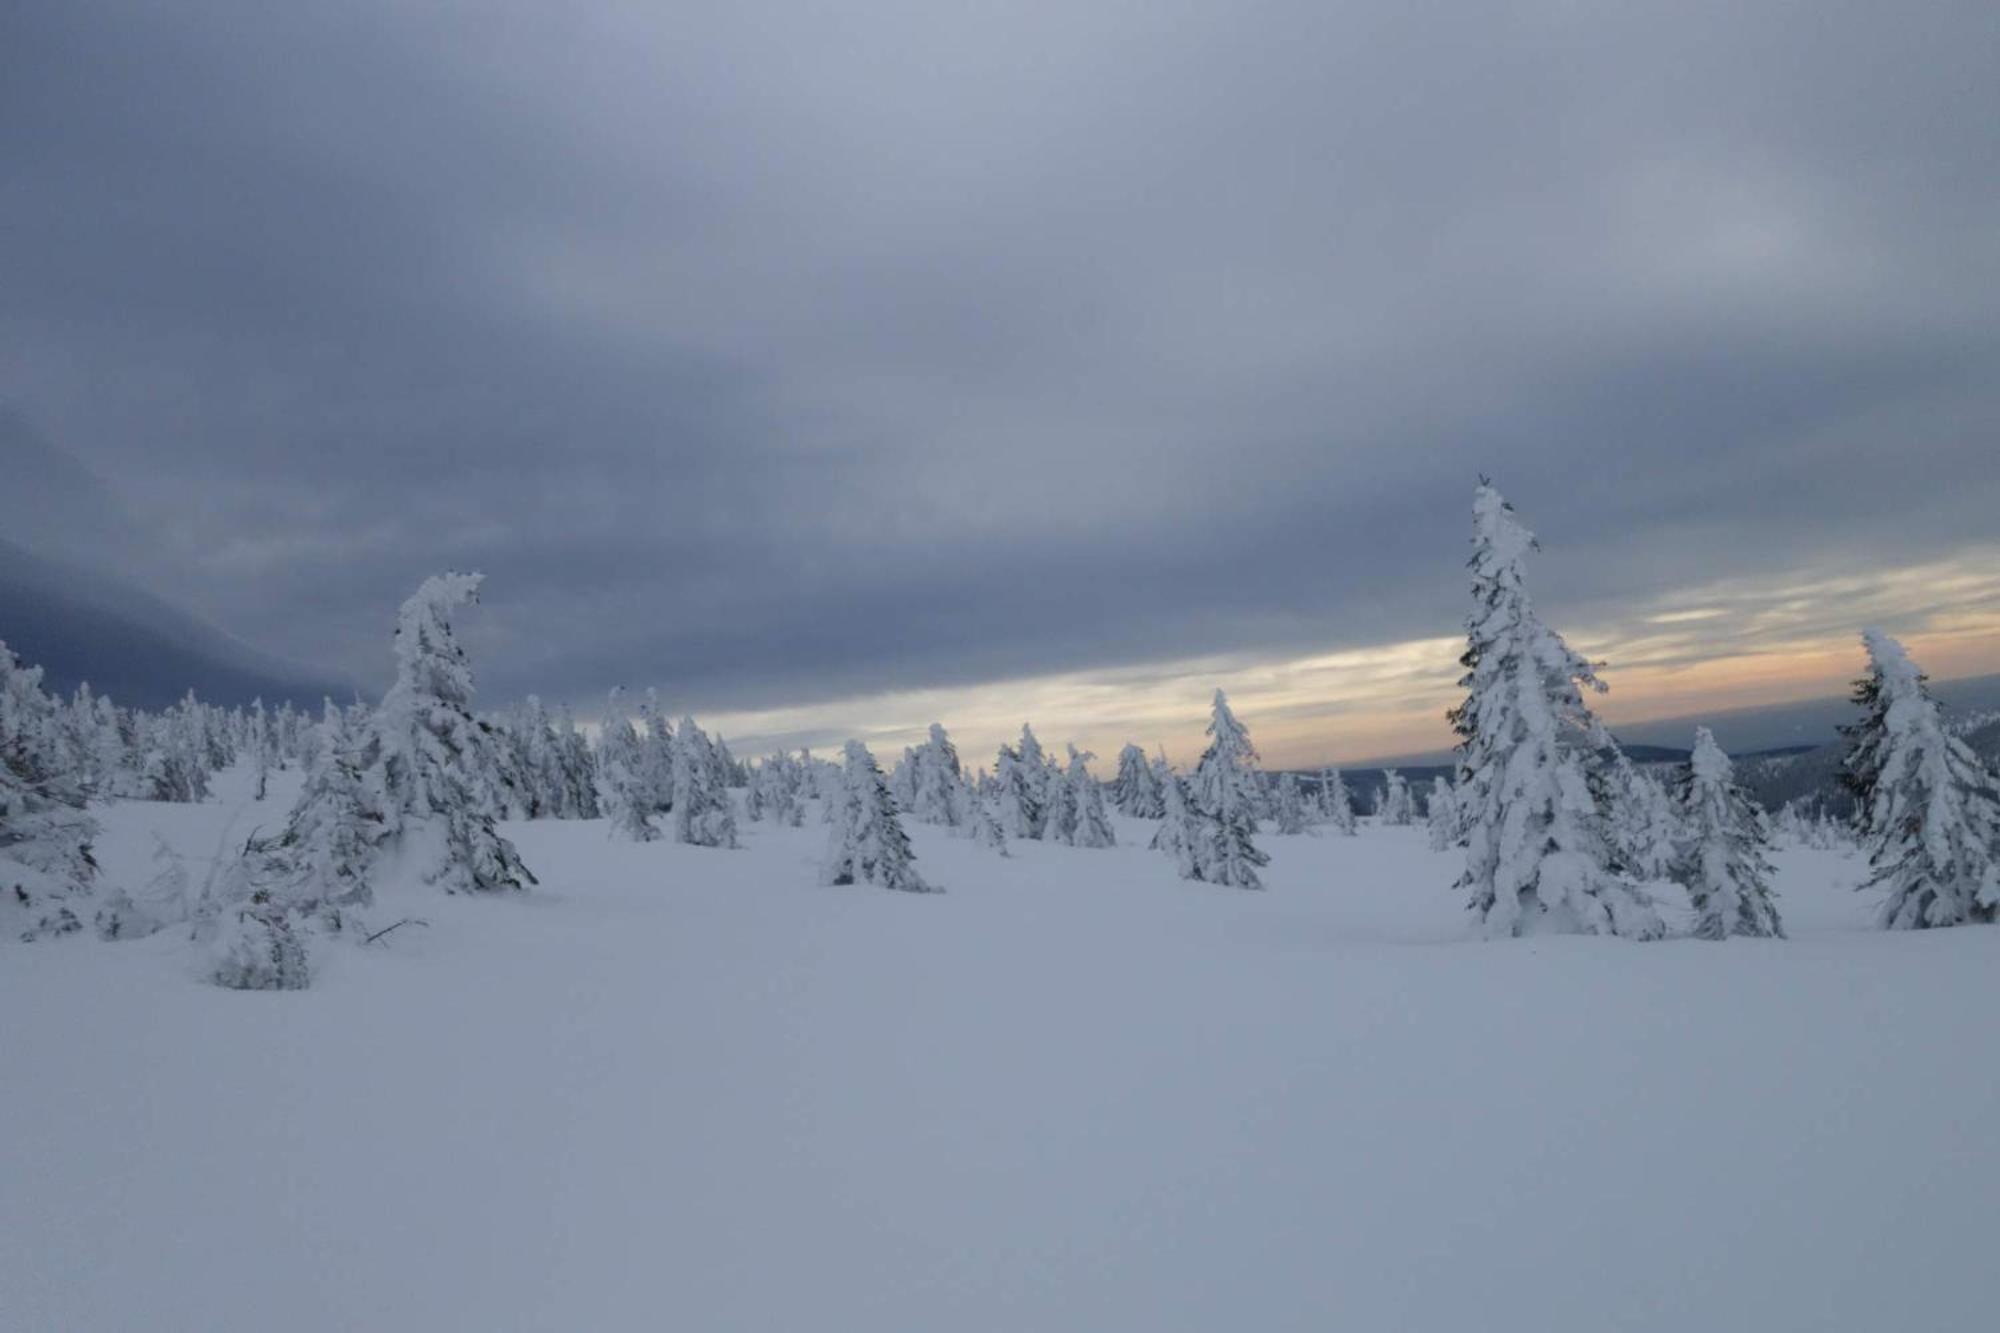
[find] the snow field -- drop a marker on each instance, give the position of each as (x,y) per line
(682,1088)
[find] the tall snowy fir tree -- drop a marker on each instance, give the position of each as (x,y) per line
(428,762)
(1537,854)
(626,783)
(1640,819)
(1136,792)
(1021,805)
(46,866)
(1929,809)
(1394,806)
(1336,803)
(1225,795)
(320,862)
(1289,806)
(1441,815)
(655,756)
(867,844)
(1721,853)
(983,827)
(936,794)
(1090,821)
(703,814)
(1180,834)
(1058,807)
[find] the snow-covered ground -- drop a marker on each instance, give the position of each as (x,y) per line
(685,1089)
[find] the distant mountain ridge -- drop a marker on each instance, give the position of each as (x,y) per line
(75,616)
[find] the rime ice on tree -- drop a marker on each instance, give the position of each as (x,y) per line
(703,813)
(867,844)
(45,834)
(1090,822)
(1225,797)
(1289,807)
(1721,855)
(430,763)
(1336,804)
(1137,791)
(1022,803)
(1537,856)
(1394,806)
(1929,808)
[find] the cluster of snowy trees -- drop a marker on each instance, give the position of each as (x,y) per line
(655,770)
(1561,831)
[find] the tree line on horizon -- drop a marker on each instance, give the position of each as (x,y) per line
(1561,830)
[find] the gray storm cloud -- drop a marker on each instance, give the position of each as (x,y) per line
(781,353)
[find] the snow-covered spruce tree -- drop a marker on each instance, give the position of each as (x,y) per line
(903,781)
(1537,856)
(1394,806)
(255,947)
(318,866)
(655,755)
(574,774)
(1289,807)
(1136,792)
(1224,794)
(1441,815)
(1336,805)
(1090,822)
(625,791)
(1930,809)
(983,827)
(1640,818)
(1181,834)
(1021,808)
(939,780)
(175,766)
(428,764)
(1720,857)
(46,866)
(785,791)
(704,815)
(867,844)
(1058,809)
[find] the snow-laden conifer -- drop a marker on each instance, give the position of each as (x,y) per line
(984,827)
(703,814)
(1441,815)
(1721,853)
(1639,817)
(319,864)
(1224,794)
(655,754)
(429,762)
(1930,809)
(1137,791)
(1090,821)
(903,781)
(626,790)
(1180,834)
(1289,806)
(1336,803)
(1394,805)
(46,866)
(867,844)
(254,946)
(1537,855)
(938,780)
(1021,803)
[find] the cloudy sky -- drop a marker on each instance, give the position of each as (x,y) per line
(834,367)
